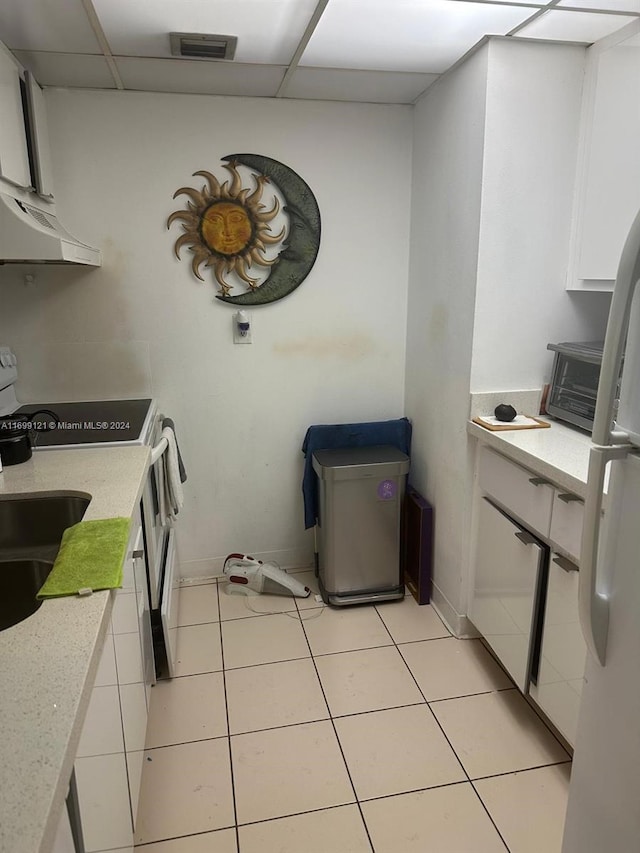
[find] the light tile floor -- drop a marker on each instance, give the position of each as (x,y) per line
(306,730)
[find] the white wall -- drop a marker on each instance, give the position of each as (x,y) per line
(534,95)
(333,350)
(447,178)
(495,144)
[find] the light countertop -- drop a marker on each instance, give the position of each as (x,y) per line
(48,662)
(560,452)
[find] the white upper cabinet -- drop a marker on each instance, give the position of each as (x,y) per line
(39,138)
(14,157)
(608,178)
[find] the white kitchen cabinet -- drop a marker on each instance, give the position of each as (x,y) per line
(508,564)
(39,138)
(64,842)
(563,651)
(14,157)
(109,759)
(525,607)
(103,794)
(608,177)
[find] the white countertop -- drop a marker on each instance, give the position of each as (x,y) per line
(560,452)
(48,662)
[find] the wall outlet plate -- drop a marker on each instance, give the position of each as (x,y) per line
(238,336)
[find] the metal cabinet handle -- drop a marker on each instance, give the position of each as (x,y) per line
(568,498)
(524,537)
(539,481)
(565,565)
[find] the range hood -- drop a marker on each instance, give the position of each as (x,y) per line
(31,235)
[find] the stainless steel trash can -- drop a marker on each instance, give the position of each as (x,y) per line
(360,501)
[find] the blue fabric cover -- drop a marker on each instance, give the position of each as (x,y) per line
(396,433)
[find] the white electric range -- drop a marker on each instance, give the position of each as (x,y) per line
(115,423)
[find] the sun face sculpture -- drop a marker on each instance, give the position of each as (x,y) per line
(227,227)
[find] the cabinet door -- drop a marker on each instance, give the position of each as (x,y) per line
(563,652)
(507,567)
(63,842)
(103,796)
(39,138)
(14,158)
(608,190)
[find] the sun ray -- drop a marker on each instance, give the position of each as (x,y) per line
(236,183)
(268,215)
(242,273)
(264,262)
(183,240)
(198,258)
(270,239)
(184,215)
(214,184)
(256,195)
(193,194)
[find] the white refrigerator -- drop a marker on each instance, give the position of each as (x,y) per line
(603,814)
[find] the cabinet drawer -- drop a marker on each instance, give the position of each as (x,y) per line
(524,494)
(566,523)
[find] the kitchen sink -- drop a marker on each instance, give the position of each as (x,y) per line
(31,529)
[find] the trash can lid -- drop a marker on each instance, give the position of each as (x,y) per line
(326,461)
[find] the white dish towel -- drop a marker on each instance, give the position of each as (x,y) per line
(172,487)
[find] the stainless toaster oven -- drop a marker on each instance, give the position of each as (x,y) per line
(574,382)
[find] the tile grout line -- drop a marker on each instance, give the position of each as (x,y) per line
(226,708)
(331,718)
(444,734)
(335,731)
(533,706)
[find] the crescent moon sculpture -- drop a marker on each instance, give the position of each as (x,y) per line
(226,227)
(303,241)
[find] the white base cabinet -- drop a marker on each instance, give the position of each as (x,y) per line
(64,842)
(108,765)
(524,604)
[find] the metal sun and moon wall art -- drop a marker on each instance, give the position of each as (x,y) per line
(227,227)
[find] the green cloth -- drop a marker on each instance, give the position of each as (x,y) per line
(91,556)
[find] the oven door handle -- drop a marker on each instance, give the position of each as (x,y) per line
(158,450)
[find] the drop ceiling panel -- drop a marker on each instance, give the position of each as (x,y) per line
(208,78)
(406,35)
(560,25)
(609,5)
(376,87)
(74,70)
(55,25)
(268,30)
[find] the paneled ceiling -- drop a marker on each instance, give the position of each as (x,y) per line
(383,51)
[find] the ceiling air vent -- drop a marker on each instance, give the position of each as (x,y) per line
(198,46)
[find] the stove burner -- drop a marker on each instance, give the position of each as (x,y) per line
(91,422)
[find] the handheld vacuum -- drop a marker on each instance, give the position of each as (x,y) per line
(251,574)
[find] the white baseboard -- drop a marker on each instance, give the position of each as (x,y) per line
(292,558)
(457,623)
